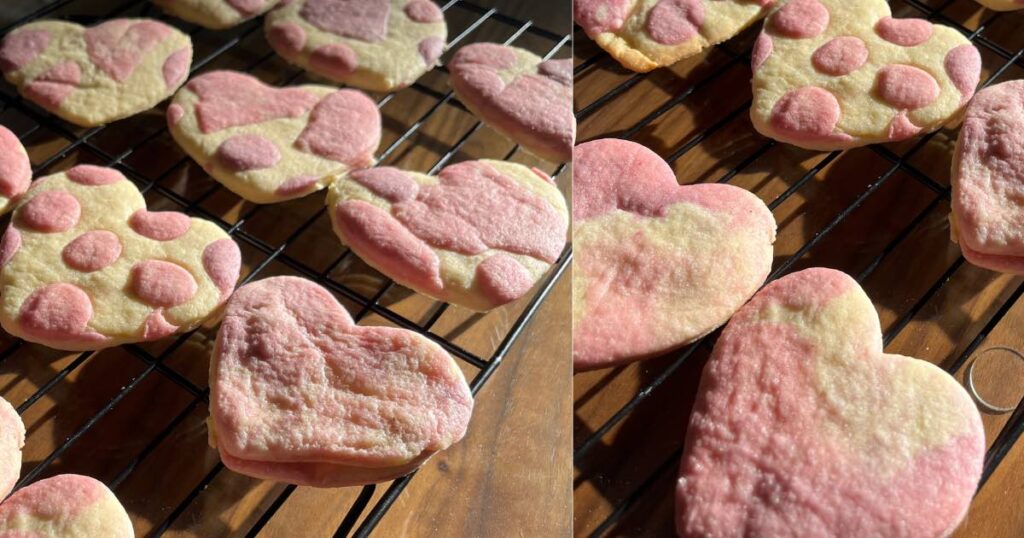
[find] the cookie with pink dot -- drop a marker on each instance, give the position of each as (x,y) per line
(65,505)
(270,144)
(521,95)
(84,265)
(96,75)
(376,45)
(656,264)
(836,74)
(15,169)
(646,34)
(479,234)
(12,440)
(1002,5)
(216,14)
(301,394)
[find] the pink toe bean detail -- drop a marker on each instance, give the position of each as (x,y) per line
(9,245)
(174,114)
(672,22)
(963,65)
(599,16)
(160,225)
(762,50)
(223,262)
(21,47)
(365,20)
(247,8)
(58,311)
(176,67)
(296,185)
(92,251)
(156,326)
(503,279)
(230,99)
(15,168)
(162,284)
(430,49)
(51,88)
(94,176)
(287,38)
(118,46)
(51,211)
(808,113)
(801,19)
(906,87)
(840,56)
(245,152)
(336,61)
(388,182)
(904,32)
(901,128)
(344,127)
(423,11)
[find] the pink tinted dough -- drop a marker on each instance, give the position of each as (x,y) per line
(162,284)
(296,185)
(906,87)
(599,16)
(430,49)
(963,65)
(807,114)
(248,7)
(94,176)
(672,22)
(19,48)
(222,260)
(12,439)
(389,183)
(176,67)
(58,312)
(9,245)
(156,326)
(762,50)
(51,211)
(840,56)
(15,168)
(902,128)
(245,152)
(92,251)
(558,70)
(423,11)
(159,225)
(336,60)
(60,501)
(174,114)
(231,99)
(904,32)
(503,279)
(51,88)
(365,20)
(801,19)
(118,46)
(343,127)
(287,38)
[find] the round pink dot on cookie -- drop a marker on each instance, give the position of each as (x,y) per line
(806,113)
(904,32)
(176,67)
(424,11)
(58,311)
(93,176)
(287,38)
(335,60)
(430,49)
(51,211)
(675,21)
(247,152)
(9,245)
(906,87)
(963,65)
(840,56)
(160,225)
(223,261)
(801,19)
(162,284)
(762,50)
(174,114)
(92,251)
(156,326)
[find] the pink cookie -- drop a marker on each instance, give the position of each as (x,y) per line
(12,440)
(301,394)
(803,426)
(656,265)
(988,180)
(521,96)
(66,505)
(836,74)
(479,235)
(15,170)
(271,144)
(91,76)
(84,265)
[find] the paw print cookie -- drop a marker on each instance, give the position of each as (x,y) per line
(646,34)
(1003,5)
(656,265)
(479,234)
(15,170)
(836,74)
(65,505)
(301,394)
(84,265)
(216,14)
(271,144)
(804,426)
(91,76)
(376,45)
(520,95)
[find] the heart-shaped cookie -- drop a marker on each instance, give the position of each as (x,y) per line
(91,76)
(15,170)
(271,144)
(84,265)
(479,234)
(1003,5)
(520,95)
(66,505)
(216,14)
(12,440)
(988,180)
(376,45)
(656,265)
(835,74)
(803,426)
(645,34)
(301,394)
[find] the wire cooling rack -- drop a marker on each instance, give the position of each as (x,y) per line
(602,451)
(300,243)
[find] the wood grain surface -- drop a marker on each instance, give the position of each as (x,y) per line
(878,213)
(509,476)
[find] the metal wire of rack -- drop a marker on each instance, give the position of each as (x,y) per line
(1013,428)
(484,367)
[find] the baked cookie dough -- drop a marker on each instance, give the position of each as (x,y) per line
(376,45)
(656,265)
(836,74)
(523,97)
(646,34)
(84,265)
(12,440)
(271,144)
(96,75)
(15,170)
(216,14)
(66,505)
(479,234)
(301,394)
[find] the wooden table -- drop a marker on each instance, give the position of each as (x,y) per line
(878,213)
(140,426)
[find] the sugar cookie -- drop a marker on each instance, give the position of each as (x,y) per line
(15,170)
(216,14)
(12,440)
(66,505)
